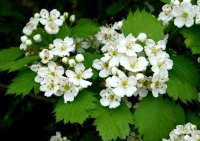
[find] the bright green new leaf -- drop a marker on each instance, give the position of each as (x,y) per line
(85,28)
(23,83)
(156,117)
(166,1)
(143,22)
(113,123)
(22,62)
(184,79)
(78,110)
(10,54)
(192,36)
(64,31)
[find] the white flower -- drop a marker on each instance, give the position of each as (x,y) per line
(81,45)
(108,98)
(57,137)
(63,48)
(46,56)
(78,77)
(30,26)
(184,15)
(117,25)
(49,86)
(103,66)
(134,64)
(166,15)
(122,85)
(35,67)
(128,45)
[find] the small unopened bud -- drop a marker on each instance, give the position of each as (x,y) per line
(64,138)
(65,60)
(193,127)
(72,18)
(28,42)
(79,58)
(62,17)
(36,15)
(71,62)
(198,59)
(142,37)
(37,38)
(197,20)
(24,38)
(51,46)
(198,2)
(66,14)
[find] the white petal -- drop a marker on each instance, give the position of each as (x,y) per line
(179,22)
(84,83)
(114,104)
(59,22)
(44,13)
(48,93)
(68,97)
(79,68)
(104,73)
(43,21)
(60,70)
(97,64)
(70,73)
(112,81)
(104,102)
(87,73)
(130,90)
(119,91)
(55,13)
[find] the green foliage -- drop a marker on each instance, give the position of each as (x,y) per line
(116,7)
(143,22)
(85,28)
(23,83)
(156,117)
(112,123)
(78,110)
(10,54)
(64,31)
(166,1)
(193,118)
(192,36)
(183,80)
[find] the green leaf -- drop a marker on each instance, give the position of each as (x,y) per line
(116,7)
(112,123)
(192,36)
(166,1)
(155,118)
(85,28)
(22,62)
(143,22)
(23,83)
(89,58)
(183,80)
(78,110)
(64,31)
(10,54)
(193,118)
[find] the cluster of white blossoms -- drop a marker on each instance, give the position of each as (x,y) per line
(58,137)
(186,132)
(182,12)
(131,66)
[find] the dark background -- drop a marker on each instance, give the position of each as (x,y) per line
(31,118)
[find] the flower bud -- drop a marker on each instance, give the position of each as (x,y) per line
(36,15)
(66,14)
(62,17)
(65,60)
(37,38)
(198,59)
(24,38)
(193,127)
(72,18)
(79,58)
(142,37)
(71,62)
(51,46)
(28,42)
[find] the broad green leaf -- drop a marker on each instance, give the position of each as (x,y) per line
(78,110)
(166,1)
(10,54)
(155,118)
(22,62)
(6,65)
(143,22)
(192,40)
(65,31)
(193,118)
(85,28)
(23,83)
(112,123)
(184,79)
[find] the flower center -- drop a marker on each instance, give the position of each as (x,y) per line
(79,75)
(184,15)
(124,83)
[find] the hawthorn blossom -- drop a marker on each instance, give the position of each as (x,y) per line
(166,14)
(46,56)
(81,45)
(30,26)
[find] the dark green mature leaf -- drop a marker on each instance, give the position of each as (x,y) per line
(10,54)
(192,36)
(22,62)
(155,118)
(183,80)
(193,118)
(78,110)
(113,123)
(143,22)
(85,28)
(23,83)
(116,7)
(64,31)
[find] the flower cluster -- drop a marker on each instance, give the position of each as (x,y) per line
(60,71)
(58,137)
(131,66)
(186,132)
(182,12)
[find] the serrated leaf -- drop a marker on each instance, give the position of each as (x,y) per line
(85,28)
(112,123)
(192,40)
(155,118)
(78,110)
(183,80)
(23,83)
(143,22)
(22,62)
(10,54)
